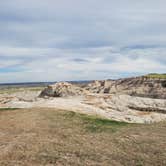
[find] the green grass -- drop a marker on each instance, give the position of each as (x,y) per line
(8,109)
(155,75)
(95,124)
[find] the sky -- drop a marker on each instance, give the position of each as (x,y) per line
(58,40)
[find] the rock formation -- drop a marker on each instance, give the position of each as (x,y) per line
(62,89)
(136,86)
(130,100)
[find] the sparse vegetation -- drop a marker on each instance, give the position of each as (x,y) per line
(10,90)
(56,137)
(8,109)
(96,124)
(155,75)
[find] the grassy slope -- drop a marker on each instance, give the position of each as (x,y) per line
(155,75)
(49,136)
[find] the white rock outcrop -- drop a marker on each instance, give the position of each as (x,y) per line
(62,89)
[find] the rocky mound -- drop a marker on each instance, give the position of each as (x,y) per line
(62,89)
(144,86)
(137,86)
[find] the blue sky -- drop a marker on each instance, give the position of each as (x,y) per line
(79,40)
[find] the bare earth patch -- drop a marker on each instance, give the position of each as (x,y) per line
(45,136)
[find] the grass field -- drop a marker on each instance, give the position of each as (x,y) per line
(35,137)
(155,75)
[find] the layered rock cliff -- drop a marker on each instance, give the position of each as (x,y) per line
(136,86)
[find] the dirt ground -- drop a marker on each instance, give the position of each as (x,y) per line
(36,137)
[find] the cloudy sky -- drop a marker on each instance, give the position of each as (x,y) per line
(56,40)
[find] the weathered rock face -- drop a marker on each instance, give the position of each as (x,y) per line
(99,86)
(62,89)
(138,86)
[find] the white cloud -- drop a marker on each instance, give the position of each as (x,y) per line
(90,39)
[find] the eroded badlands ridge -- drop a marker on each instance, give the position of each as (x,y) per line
(135,100)
(139,86)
